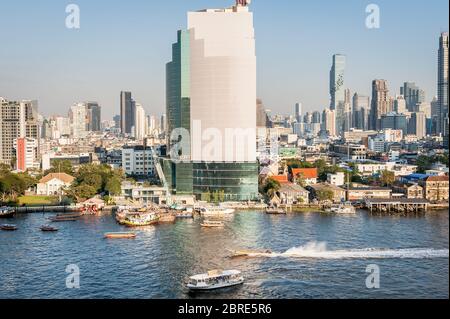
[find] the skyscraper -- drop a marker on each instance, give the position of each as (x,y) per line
(413,95)
(329,122)
(381,103)
(337,90)
(417,125)
(140,125)
(400,104)
(298,112)
(78,115)
(361,111)
(337,74)
(94,117)
(211,86)
(127,113)
(443,85)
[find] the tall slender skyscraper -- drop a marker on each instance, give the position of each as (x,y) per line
(443,84)
(337,74)
(127,113)
(337,90)
(211,93)
(381,103)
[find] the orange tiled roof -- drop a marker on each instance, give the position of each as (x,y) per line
(306,172)
(66,178)
(280,178)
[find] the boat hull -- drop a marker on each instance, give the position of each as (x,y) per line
(120,235)
(216,287)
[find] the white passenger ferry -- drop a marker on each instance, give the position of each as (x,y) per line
(216,279)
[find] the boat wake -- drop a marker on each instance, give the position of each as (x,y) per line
(318,250)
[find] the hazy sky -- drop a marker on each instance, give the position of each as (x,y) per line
(124,45)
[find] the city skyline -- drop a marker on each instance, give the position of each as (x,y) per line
(279,86)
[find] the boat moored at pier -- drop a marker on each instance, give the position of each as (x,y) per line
(6,212)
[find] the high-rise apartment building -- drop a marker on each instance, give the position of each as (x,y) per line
(329,122)
(381,103)
(12,127)
(417,125)
(140,123)
(337,90)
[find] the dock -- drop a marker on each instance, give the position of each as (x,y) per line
(397,206)
(45,209)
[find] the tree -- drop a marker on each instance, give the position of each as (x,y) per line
(113,186)
(61,166)
(300,179)
(81,192)
(271,187)
(325,195)
(387,178)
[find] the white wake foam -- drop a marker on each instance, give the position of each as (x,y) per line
(318,250)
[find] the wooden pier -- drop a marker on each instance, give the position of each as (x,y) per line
(402,206)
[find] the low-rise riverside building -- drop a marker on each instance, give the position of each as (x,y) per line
(410,191)
(54,184)
(361,193)
(436,188)
(338,193)
(292,194)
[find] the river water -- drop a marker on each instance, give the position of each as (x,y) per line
(314,256)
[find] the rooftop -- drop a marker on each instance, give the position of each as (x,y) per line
(306,172)
(66,178)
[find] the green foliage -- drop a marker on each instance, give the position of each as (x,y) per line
(325,195)
(13,185)
(61,166)
(387,178)
(271,187)
(91,180)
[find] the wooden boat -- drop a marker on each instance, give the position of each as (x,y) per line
(275,211)
(47,228)
(139,219)
(167,218)
(123,235)
(62,219)
(8,227)
(6,212)
(215,279)
(71,215)
(212,224)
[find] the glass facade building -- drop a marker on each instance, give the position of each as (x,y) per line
(211,80)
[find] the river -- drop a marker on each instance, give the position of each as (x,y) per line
(314,256)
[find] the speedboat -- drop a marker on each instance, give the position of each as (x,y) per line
(6,212)
(212,224)
(247,253)
(342,209)
(216,212)
(8,227)
(216,279)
